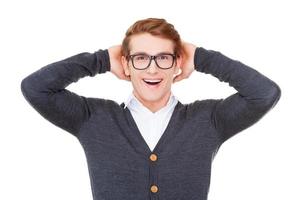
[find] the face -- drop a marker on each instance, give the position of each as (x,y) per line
(151,45)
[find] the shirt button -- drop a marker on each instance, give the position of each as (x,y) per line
(154,188)
(153,157)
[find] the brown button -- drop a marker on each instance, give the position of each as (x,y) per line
(153,157)
(154,188)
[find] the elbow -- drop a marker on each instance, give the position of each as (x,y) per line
(272,96)
(27,89)
(276,96)
(24,85)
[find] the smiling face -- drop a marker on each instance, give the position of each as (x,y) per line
(152,96)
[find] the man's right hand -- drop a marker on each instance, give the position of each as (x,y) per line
(115,62)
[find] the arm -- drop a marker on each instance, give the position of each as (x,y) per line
(256,94)
(46,93)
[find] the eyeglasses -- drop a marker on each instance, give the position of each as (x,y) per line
(143,61)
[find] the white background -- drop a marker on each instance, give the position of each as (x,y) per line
(42,161)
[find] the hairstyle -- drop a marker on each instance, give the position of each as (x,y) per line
(156,27)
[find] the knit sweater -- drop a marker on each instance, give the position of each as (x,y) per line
(121,165)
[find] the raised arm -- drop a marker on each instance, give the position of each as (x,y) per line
(46,93)
(256,94)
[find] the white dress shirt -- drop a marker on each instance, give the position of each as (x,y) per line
(151,125)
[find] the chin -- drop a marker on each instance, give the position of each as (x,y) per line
(147,96)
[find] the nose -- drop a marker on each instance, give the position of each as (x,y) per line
(152,67)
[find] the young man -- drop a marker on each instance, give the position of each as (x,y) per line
(151,146)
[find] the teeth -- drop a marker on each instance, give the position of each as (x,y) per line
(152,81)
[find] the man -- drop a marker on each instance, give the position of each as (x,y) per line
(151,146)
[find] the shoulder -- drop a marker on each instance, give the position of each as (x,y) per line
(101,105)
(201,109)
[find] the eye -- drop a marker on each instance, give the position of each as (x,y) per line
(141,57)
(163,57)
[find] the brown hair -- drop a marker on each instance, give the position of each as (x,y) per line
(157,27)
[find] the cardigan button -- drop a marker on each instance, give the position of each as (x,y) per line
(154,188)
(153,157)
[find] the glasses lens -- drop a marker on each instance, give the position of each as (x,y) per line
(164,61)
(140,61)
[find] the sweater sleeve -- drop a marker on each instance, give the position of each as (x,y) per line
(256,94)
(45,90)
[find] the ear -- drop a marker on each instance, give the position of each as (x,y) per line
(125,65)
(179,61)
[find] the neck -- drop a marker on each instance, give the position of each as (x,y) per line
(154,106)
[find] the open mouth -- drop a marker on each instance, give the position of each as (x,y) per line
(152,81)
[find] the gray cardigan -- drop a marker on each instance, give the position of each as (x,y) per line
(121,165)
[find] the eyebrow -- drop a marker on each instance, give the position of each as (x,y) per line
(142,52)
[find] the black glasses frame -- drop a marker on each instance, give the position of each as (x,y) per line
(154,57)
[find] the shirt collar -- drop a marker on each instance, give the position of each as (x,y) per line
(132,99)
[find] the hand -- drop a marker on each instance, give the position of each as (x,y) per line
(115,62)
(187,66)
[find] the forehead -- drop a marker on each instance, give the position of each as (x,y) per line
(149,44)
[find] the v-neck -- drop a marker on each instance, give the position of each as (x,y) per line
(140,142)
